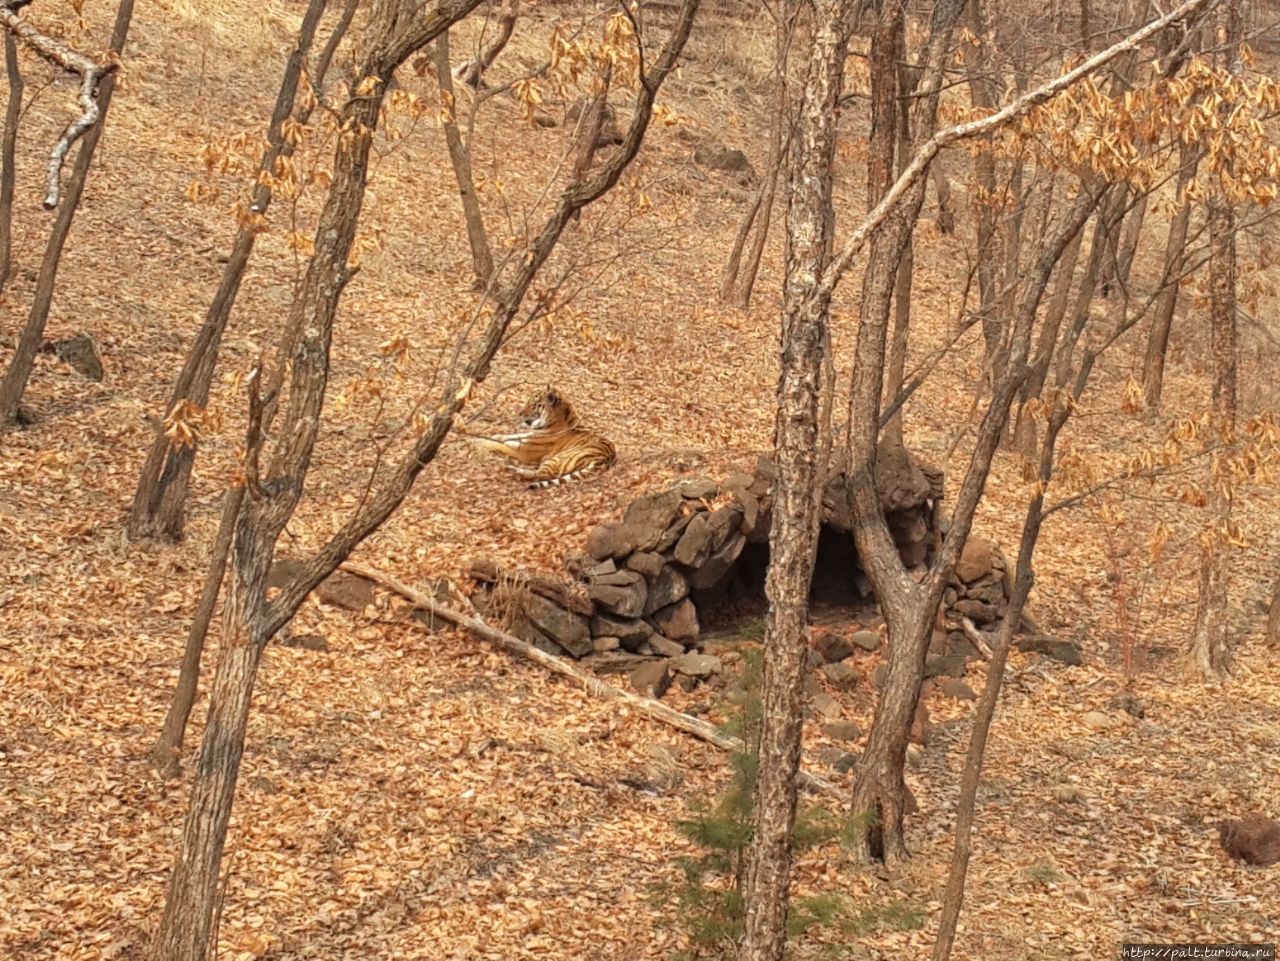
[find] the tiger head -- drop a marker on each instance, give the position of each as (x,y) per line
(547,410)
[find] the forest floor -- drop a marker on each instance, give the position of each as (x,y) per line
(411,794)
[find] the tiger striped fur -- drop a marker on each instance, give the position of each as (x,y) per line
(551,447)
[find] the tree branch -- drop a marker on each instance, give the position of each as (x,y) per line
(60,55)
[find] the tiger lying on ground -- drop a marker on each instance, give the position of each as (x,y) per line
(552,446)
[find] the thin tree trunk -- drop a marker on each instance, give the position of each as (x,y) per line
(982,95)
(8,149)
(188,920)
(737,282)
(15,380)
(460,158)
(908,607)
(472,72)
(1209,641)
(1273,614)
(1167,302)
(793,537)
(168,749)
(159,501)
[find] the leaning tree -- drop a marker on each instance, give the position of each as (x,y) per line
(286,405)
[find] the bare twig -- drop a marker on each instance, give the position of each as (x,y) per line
(650,708)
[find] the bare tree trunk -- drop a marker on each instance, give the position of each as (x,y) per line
(472,72)
(301,378)
(908,607)
(982,95)
(15,380)
(1166,303)
(946,206)
(168,749)
(159,501)
(793,537)
(460,157)
(737,282)
(1209,642)
(1273,615)
(8,149)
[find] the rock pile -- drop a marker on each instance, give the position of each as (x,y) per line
(637,587)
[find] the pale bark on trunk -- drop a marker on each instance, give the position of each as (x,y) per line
(1209,641)
(8,151)
(295,393)
(14,384)
(797,501)
(1167,302)
(460,158)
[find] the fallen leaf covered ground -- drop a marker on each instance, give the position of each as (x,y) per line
(413,794)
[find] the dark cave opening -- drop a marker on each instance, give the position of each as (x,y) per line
(739,599)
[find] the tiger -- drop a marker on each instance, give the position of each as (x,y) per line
(552,446)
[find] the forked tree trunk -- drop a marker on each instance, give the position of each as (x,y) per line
(159,501)
(8,151)
(460,158)
(909,608)
(1167,301)
(793,537)
(14,384)
(472,72)
(1209,641)
(738,280)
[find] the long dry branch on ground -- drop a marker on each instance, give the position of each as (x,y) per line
(59,54)
(647,706)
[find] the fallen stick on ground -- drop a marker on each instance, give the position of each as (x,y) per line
(647,706)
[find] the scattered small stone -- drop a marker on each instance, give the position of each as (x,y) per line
(950,665)
(665,646)
(652,679)
(824,704)
(696,665)
(1097,721)
(956,689)
(846,762)
(915,755)
(697,488)
(844,676)
(869,641)
(832,646)
(1125,701)
(1067,652)
(842,730)
(307,642)
(687,683)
